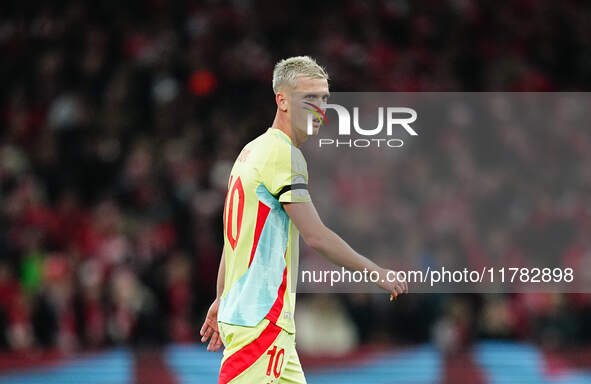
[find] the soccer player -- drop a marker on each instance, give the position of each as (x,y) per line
(267,206)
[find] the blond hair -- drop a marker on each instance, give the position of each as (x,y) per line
(288,70)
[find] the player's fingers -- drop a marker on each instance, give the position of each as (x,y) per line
(219,343)
(215,342)
(212,341)
(206,325)
(206,334)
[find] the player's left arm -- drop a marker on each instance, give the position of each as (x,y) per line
(286,177)
(210,325)
(330,245)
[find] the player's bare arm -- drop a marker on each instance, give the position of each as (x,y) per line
(330,245)
(210,325)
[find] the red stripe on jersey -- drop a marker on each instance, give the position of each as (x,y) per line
(275,311)
(237,187)
(262,214)
(248,355)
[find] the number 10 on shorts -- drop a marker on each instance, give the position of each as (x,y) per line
(275,356)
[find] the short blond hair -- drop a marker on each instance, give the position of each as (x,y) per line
(288,70)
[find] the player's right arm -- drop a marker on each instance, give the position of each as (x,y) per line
(221,277)
(330,245)
(210,325)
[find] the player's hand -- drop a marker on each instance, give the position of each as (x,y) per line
(210,328)
(389,282)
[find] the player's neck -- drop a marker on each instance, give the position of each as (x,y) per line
(281,123)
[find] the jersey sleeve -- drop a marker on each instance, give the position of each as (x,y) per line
(286,175)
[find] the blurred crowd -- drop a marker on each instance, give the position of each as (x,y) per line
(492,180)
(120,122)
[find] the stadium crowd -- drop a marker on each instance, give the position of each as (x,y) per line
(120,123)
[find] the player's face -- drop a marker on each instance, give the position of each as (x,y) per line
(308,94)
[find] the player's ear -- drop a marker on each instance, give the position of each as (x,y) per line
(281,100)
